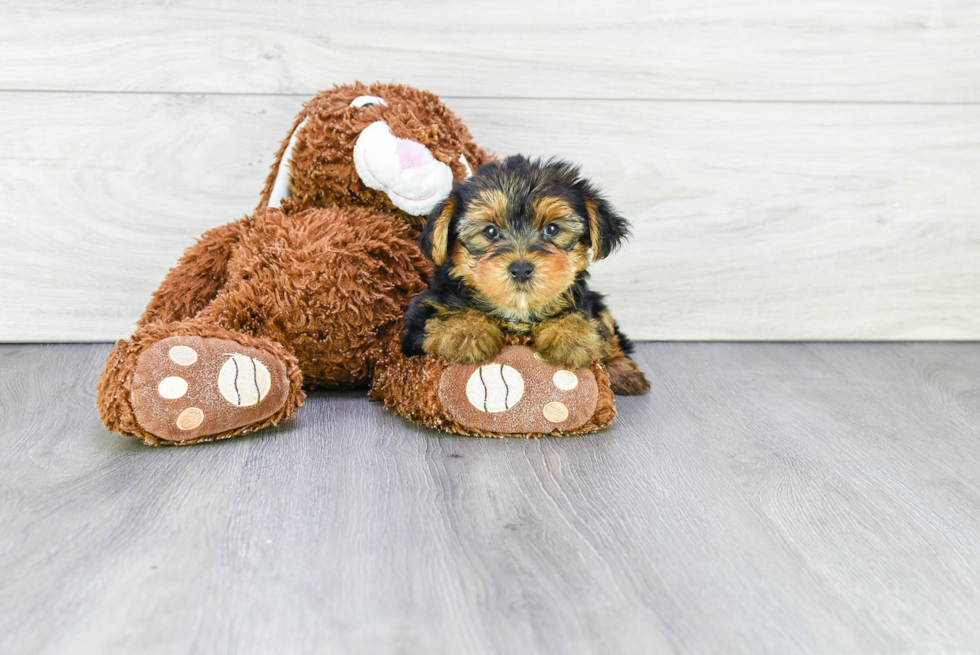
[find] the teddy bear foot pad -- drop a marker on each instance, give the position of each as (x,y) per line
(518,393)
(188,387)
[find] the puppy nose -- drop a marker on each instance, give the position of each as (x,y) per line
(521,271)
(412,154)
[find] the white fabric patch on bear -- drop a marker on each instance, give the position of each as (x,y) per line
(405,170)
(244,381)
(172,388)
(280,188)
(183,355)
(366,101)
(565,380)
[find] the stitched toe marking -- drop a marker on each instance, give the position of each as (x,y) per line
(565,380)
(244,381)
(172,388)
(183,355)
(555,412)
(494,388)
(190,418)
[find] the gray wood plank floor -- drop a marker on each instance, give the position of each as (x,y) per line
(764,498)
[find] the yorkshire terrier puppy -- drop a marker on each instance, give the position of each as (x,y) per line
(511,248)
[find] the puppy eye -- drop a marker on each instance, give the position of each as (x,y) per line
(367,101)
(491,233)
(551,230)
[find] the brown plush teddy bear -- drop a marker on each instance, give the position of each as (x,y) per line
(312,288)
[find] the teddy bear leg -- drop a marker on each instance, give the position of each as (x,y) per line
(188,382)
(518,393)
(197,278)
(513,394)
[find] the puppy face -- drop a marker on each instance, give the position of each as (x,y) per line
(519,232)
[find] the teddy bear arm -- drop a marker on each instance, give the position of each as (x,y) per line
(196,279)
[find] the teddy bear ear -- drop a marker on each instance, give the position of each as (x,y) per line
(476,156)
(607,228)
(435,235)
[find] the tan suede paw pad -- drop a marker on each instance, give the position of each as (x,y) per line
(188,387)
(517,392)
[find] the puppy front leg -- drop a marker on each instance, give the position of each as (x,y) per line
(462,337)
(570,340)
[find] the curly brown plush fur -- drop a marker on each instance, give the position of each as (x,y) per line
(320,284)
(323,174)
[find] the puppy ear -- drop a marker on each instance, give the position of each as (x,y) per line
(435,235)
(606,227)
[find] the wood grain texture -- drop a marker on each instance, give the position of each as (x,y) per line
(751,221)
(865,50)
(764,498)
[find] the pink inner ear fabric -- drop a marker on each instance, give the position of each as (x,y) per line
(412,154)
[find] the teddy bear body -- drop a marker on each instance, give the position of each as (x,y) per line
(329,284)
(311,288)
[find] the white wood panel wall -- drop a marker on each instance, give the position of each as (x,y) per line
(793,170)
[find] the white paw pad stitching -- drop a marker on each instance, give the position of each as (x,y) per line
(495,388)
(244,381)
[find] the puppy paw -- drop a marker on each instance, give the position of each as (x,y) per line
(626,378)
(570,341)
(466,337)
